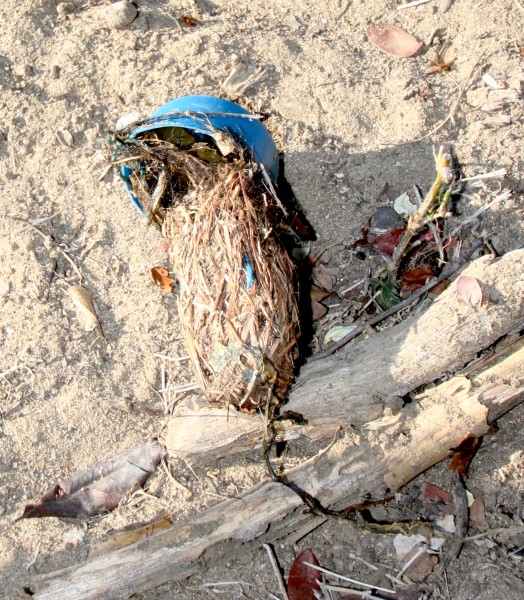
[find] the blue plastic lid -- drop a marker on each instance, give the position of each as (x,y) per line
(203,114)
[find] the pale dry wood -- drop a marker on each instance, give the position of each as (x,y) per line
(390,452)
(357,384)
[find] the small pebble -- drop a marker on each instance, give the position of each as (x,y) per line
(120,14)
(65,8)
(444,5)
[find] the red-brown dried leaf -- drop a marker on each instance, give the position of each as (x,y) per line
(387,242)
(469,291)
(162,279)
(436,494)
(393,40)
(188,21)
(100,488)
(416,278)
(301,583)
(463,454)
(317,310)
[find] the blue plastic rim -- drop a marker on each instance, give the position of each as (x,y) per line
(206,114)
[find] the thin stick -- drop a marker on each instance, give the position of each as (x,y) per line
(276,569)
(504,196)
(345,590)
(354,581)
(498,174)
(447,272)
(272,189)
(48,237)
(408,564)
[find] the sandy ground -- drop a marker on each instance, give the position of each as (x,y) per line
(340,110)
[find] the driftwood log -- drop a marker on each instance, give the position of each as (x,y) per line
(374,461)
(359,383)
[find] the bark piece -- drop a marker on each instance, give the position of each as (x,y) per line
(390,452)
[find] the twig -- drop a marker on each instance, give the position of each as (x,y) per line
(348,579)
(447,272)
(426,212)
(345,590)
(451,114)
(276,569)
(504,196)
(50,238)
(495,531)
(272,190)
(223,583)
(498,174)
(414,558)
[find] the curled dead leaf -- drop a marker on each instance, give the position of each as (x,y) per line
(463,454)
(393,40)
(85,310)
(99,488)
(162,279)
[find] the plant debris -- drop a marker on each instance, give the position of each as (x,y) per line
(100,488)
(162,279)
(393,40)
(85,309)
(302,580)
(469,291)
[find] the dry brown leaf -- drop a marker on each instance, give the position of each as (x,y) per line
(393,40)
(318,294)
(463,454)
(437,494)
(85,310)
(469,291)
(322,277)
(162,279)
(477,513)
(416,278)
(317,310)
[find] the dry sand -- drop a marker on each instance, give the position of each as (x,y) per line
(339,109)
